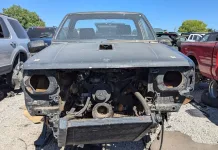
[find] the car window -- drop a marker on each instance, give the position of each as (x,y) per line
(205,38)
(195,37)
(146,32)
(4,33)
(18,29)
(198,38)
(41,32)
(101,26)
(190,38)
(212,37)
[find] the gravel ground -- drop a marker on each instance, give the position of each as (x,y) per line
(18,133)
(202,128)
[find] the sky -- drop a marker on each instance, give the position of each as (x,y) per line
(165,14)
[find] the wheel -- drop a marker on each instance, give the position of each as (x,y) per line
(209,101)
(2,95)
(17,75)
(213,86)
(198,76)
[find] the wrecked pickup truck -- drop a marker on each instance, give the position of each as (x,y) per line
(100,82)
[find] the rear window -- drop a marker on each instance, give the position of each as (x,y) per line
(41,32)
(18,29)
(4,33)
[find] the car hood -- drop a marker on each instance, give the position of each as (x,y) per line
(123,55)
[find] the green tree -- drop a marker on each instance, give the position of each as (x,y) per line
(24,16)
(193,26)
(211,30)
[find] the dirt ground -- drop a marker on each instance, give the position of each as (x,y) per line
(19,133)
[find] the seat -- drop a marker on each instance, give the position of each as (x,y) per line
(123,30)
(87,33)
(73,34)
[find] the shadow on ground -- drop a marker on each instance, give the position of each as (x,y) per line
(178,141)
(52,145)
(202,110)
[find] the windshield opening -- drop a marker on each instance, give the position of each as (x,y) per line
(41,32)
(109,27)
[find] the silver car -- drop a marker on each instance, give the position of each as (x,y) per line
(13,51)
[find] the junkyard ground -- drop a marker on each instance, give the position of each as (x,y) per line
(189,129)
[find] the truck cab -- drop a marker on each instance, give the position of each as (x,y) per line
(194,37)
(204,54)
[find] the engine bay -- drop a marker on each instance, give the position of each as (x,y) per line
(103,93)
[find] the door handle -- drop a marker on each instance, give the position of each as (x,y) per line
(13,44)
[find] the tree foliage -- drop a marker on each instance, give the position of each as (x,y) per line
(211,30)
(24,16)
(193,26)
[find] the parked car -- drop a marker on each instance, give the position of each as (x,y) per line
(194,37)
(107,87)
(165,40)
(180,40)
(13,51)
(173,36)
(41,33)
(204,55)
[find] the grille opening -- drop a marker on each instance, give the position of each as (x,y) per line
(172,79)
(40,83)
(105,47)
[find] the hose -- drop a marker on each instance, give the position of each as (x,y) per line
(143,102)
(162,134)
(83,109)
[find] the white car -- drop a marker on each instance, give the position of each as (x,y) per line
(194,37)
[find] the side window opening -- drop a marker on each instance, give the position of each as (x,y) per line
(1,32)
(18,29)
(4,33)
(146,33)
(63,34)
(212,37)
(205,38)
(195,37)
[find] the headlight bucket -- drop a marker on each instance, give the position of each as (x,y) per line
(38,84)
(171,79)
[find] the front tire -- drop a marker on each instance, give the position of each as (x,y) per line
(14,78)
(2,95)
(17,76)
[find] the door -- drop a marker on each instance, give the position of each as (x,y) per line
(190,38)
(22,37)
(6,47)
(205,54)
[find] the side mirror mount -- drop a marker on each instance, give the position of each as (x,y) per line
(36,46)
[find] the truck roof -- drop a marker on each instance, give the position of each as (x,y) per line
(106,12)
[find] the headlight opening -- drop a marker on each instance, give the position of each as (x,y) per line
(172,79)
(39,83)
